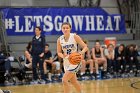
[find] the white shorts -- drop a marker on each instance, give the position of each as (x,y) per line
(57,63)
(70,67)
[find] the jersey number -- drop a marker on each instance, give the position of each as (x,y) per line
(69,51)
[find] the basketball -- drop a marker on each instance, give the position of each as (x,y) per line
(75,58)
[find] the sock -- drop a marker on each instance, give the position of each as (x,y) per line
(82,73)
(91,72)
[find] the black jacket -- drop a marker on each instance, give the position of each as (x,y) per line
(38,45)
(117,54)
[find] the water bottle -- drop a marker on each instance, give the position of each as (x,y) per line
(100,74)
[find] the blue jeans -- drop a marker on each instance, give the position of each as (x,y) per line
(5,66)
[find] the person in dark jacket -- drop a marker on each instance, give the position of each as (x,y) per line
(4,63)
(5,67)
(120,57)
(131,57)
(37,52)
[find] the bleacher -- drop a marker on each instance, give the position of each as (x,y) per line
(18,43)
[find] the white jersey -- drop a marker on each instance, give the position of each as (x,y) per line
(69,47)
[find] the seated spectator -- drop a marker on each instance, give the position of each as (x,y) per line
(5,66)
(131,55)
(87,61)
(4,63)
(56,63)
(110,56)
(27,53)
(98,57)
(120,58)
(48,62)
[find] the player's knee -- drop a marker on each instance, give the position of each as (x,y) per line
(73,82)
(64,81)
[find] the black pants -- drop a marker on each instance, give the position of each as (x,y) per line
(131,62)
(118,65)
(36,59)
(110,63)
(5,66)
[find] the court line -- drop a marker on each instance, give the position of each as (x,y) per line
(133,85)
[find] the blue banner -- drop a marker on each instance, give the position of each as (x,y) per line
(22,21)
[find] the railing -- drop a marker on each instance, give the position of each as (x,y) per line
(135,19)
(3,35)
(135,24)
(84,3)
(131,10)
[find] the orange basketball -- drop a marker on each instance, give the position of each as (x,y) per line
(75,58)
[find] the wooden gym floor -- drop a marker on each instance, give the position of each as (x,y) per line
(127,85)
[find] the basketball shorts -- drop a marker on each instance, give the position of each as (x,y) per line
(70,67)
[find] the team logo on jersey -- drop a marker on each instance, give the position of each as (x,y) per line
(68,46)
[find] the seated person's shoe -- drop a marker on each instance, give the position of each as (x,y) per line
(42,81)
(34,82)
(7,74)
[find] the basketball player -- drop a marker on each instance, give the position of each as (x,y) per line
(67,44)
(98,57)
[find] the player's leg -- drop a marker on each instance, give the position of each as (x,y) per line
(75,83)
(65,80)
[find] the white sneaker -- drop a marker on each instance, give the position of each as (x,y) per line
(34,82)
(42,81)
(7,74)
(6,91)
(49,76)
(28,65)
